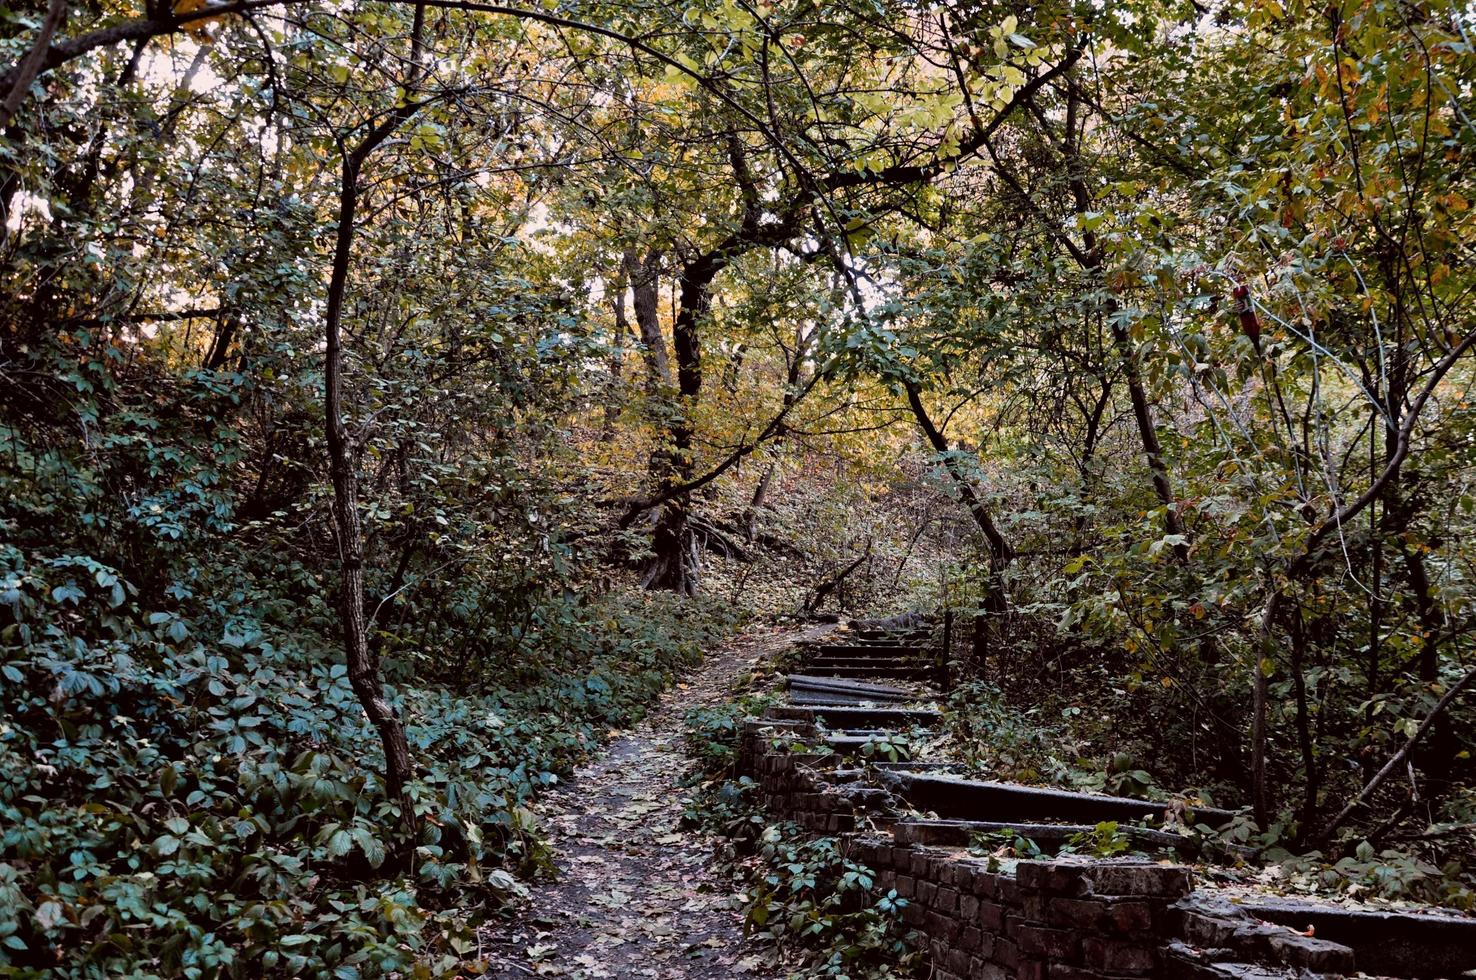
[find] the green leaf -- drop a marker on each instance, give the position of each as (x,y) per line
(340,843)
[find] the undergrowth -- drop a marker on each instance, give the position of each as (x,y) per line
(819,907)
(188,786)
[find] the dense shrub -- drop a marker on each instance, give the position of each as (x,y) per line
(817,905)
(188,786)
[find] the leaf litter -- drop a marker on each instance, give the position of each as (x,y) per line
(637,895)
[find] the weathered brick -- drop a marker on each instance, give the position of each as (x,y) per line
(1203,929)
(1117,956)
(991,916)
(1031,970)
(1055,944)
(926,891)
(968,907)
(981,969)
(906,885)
(1140,878)
(947,928)
(1053,877)
(1129,916)
(982,882)
(1320,955)
(946,900)
(1065,971)
(1078,913)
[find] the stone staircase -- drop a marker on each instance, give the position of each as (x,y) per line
(822,761)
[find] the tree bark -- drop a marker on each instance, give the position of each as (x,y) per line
(674,564)
(363,665)
(996,601)
(760,496)
(1148,433)
(823,590)
(645,301)
(617,358)
(1260,695)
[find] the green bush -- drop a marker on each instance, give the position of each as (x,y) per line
(809,897)
(188,786)
(801,892)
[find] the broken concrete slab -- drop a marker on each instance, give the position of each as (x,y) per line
(1439,943)
(970,799)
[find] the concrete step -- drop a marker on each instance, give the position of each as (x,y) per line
(852,743)
(875,764)
(890,636)
(1185,962)
(825,699)
(862,661)
(959,833)
(838,717)
(969,799)
(872,652)
(897,672)
(1433,943)
(845,691)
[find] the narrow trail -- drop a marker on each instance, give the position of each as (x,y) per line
(636,894)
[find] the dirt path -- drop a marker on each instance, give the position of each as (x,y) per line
(637,895)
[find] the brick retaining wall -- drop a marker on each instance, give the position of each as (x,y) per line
(1071,918)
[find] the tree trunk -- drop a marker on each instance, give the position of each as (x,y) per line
(645,301)
(824,589)
(1089,256)
(363,667)
(1148,434)
(617,358)
(30,65)
(996,601)
(760,496)
(673,565)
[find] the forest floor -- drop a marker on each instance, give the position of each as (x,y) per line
(637,895)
